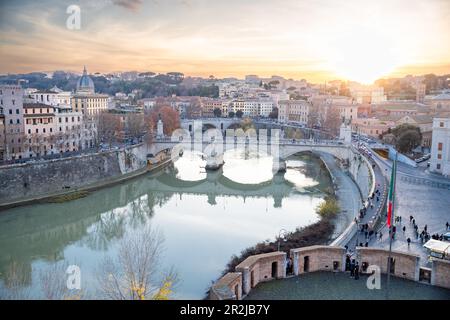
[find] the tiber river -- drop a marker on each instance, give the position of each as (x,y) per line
(205,218)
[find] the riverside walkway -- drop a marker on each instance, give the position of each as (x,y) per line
(347,193)
(374,209)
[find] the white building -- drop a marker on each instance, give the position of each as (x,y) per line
(52,97)
(440,147)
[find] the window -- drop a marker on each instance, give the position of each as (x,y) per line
(438,166)
(18,121)
(10,111)
(17,111)
(440,146)
(29,131)
(37,130)
(13,102)
(441,124)
(439,156)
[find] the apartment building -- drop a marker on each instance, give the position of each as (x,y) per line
(293,110)
(11,102)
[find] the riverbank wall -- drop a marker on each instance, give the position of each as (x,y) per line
(267,267)
(28,182)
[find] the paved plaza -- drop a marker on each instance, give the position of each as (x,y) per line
(429,204)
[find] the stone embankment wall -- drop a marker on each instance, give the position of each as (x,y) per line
(266,267)
(34,180)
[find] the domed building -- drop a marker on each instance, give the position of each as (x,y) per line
(85,99)
(85,84)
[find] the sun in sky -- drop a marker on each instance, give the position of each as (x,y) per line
(360,40)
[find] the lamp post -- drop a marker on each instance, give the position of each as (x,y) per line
(283,232)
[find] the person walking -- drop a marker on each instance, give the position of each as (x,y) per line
(381,235)
(352,268)
(409,241)
(404,229)
(357,271)
(446,225)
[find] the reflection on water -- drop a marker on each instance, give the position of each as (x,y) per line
(297,173)
(205,218)
(256,168)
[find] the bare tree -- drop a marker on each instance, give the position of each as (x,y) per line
(53,283)
(135,125)
(313,116)
(108,126)
(133,275)
(15,283)
(333,120)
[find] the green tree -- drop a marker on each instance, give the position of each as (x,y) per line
(274,113)
(217,112)
(239,113)
(406,137)
(231,114)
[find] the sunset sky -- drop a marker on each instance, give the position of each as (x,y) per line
(314,39)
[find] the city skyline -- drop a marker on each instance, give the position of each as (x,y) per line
(318,41)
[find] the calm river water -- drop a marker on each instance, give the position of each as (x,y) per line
(205,218)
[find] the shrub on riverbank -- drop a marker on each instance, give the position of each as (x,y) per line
(68,197)
(329,208)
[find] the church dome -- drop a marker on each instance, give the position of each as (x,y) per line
(85,83)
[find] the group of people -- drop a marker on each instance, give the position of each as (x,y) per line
(352,266)
(424,236)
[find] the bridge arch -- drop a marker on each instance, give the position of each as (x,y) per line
(341,152)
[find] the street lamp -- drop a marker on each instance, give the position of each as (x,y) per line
(282,233)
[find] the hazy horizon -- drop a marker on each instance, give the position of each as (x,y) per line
(315,40)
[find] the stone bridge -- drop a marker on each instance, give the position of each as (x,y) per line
(280,149)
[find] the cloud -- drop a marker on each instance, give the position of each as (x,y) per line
(133,5)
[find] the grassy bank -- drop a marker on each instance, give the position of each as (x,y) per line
(67,197)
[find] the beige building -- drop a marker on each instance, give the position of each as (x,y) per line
(85,100)
(372,126)
(439,103)
(50,130)
(208,106)
(293,110)
(367,94)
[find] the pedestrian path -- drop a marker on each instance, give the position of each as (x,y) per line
(372,211)
(347,193)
